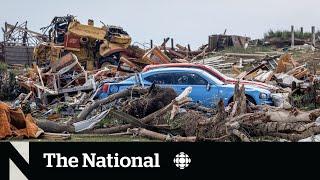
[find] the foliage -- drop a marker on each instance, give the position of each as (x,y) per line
(8,87)
(287,34)
(3,67)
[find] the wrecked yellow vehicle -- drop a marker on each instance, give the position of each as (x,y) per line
(95,47)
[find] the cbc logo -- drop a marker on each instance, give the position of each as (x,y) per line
(182,160)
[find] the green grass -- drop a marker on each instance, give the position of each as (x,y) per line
(300,102)
(297,54)
(287,34)
(3,67)
(107,138)
(91,138)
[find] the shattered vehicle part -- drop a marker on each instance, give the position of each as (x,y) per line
(89,123)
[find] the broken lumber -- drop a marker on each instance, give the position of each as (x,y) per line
(55,136)
(241,135)
(245,55)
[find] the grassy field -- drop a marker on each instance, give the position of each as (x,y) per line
(106,138)
(91,138)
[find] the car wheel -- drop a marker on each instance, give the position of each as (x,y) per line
(249,98)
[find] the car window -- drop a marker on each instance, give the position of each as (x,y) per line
(183,78)
(212,77)
(161,78)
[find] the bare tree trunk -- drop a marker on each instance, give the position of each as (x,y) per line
(219,117)
(239,99)
(240,135)
(314,114)
(158,136)
(296,137)
(85,112)
(181,99)
(53,127)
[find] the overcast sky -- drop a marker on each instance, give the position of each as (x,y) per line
(187,21)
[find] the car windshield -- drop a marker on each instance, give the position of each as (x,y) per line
(117,79)
(132,78)
(213,78)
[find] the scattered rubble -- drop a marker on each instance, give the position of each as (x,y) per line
(13,122)
(55,96)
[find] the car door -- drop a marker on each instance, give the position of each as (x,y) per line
(203,92)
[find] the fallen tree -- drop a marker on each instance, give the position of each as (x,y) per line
(126,93)
(247,122)
(181,99)
(239,121)
(158,136)
(53,127)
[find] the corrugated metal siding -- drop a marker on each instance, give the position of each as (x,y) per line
(18,54)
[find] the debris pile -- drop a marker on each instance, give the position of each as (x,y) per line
(175,121)
(57,96)
(61,101)
(243,121)
(13,122)
(285,71)
(98,47)
(66,76)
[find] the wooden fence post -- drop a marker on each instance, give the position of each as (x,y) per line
(313,36)
(292,36)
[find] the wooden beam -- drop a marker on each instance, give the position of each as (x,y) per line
(313,36)
(172,46)
(292,36)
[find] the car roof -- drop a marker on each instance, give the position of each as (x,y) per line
(208,69)
(186,65)
(175,69)
(148,67)
(186,69)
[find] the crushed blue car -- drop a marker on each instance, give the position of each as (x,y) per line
(206,89)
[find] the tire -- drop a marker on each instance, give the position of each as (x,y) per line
(249,98)
(113,59)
